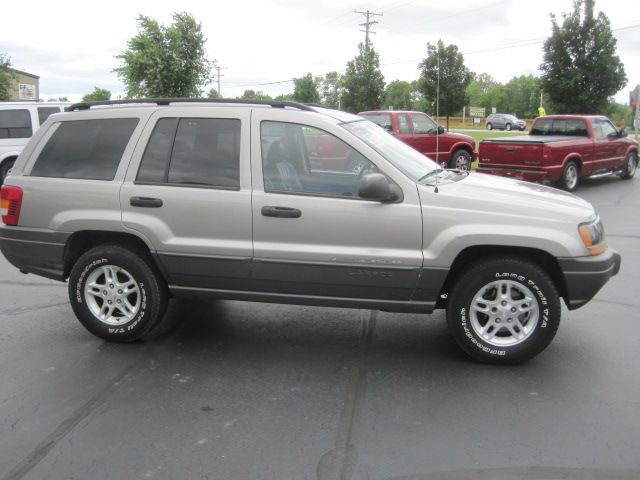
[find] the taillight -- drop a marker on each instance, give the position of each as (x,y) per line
(10,202)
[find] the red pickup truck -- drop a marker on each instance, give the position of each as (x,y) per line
(418,130)
(561,148)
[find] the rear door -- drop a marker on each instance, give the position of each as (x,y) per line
(188,192)
(313,235)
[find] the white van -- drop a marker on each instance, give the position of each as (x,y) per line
(18,123)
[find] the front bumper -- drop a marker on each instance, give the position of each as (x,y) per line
(584,276)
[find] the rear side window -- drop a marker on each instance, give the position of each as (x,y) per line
(542,127)
(45,112)
(193,151)
(382,119)
(15,124)
(403,124)
(85,149)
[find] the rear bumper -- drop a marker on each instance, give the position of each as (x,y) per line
(34,250)
(527,174)
(585,276)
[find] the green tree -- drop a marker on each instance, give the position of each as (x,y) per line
(619,113)
(7,77)
(330,88)
(454,78)
(398,95)
(363,81)
(418,101)
(254,95)
(306,89)
(581,69)
(484,92)
(98,94)
(521,96)
(213,93)
(285,97)
(165,61)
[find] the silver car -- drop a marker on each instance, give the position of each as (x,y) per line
(287,203)
(504,121)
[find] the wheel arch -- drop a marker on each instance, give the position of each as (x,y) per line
(82,241)
(461,146)
(573,157)
(473,254)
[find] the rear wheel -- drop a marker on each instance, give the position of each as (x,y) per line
(503,310)
(630,166)
(117,293)
(569,178)
(489,126)
(508,127)
(460,160)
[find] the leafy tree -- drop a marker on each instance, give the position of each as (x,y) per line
(398,95)
(581,69)
(165,61)
(285,97)
(63,99)
(418,101)
(306,89)
(454,78)
(98,94)
(619,113)
(6,77)
(213,93)
(363,81)
(330,88)
(253,95)
(521,96)
(484,92)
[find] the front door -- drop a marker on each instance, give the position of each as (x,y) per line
(313,235)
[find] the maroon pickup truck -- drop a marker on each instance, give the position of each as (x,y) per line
(418,130)
(561,148)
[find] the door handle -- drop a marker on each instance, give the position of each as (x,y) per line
(146,202)
(281,212)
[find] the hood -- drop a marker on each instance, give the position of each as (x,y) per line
(500,195)
(460,137)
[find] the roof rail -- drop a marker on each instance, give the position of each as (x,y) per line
(167,101)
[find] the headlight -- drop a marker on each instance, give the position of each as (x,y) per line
(592,235)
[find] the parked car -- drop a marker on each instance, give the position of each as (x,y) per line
(179,198)
(420,131)
(18,122)
(504,121)
(562,149)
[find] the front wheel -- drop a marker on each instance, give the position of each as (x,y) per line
(569,178)
(503,310)
(508,127)
(630,166)
(489,126)
(460,160)
(117,293)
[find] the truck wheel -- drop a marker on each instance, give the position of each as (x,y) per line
(4,169)
(508,127)
(489,126)
(503,310)
(460,160)
(569,178)
(630,166)
(116,293)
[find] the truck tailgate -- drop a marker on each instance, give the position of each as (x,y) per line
(517,152)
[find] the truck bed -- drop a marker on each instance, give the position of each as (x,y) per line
(533,139)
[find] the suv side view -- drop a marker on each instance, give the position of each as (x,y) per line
(288,203)
(504,121)
(18,122)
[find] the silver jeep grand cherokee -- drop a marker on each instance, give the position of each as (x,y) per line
(283,202)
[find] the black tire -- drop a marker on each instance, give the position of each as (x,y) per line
(569,179)
(461,160)
(507,127)
(109,267)
(630,166)
(484,280)
(4,169)
(489,126)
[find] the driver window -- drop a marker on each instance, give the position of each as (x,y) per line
(423,124)
(303,159)
(607,128)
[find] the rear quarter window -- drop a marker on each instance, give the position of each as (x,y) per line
(85,149)
(15,124)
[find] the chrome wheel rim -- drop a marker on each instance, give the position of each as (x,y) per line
(462,163)
(632,164)
(112,295)
(571,177)
(504,313)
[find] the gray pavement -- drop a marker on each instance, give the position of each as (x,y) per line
(255,391)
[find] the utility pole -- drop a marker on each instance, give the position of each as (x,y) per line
(218,68)
(367,25)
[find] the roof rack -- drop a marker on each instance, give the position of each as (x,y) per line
(167,101)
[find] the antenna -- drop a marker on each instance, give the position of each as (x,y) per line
(437,114)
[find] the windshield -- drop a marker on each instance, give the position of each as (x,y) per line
(411,162)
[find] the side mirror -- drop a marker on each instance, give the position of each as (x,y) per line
(375,186)
(440,130)
(623,133)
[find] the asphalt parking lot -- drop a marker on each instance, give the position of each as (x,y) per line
(255,391)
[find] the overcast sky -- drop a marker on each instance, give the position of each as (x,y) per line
(72,45)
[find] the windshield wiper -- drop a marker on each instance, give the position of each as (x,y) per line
(435,171)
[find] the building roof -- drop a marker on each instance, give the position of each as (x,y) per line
(24,73)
